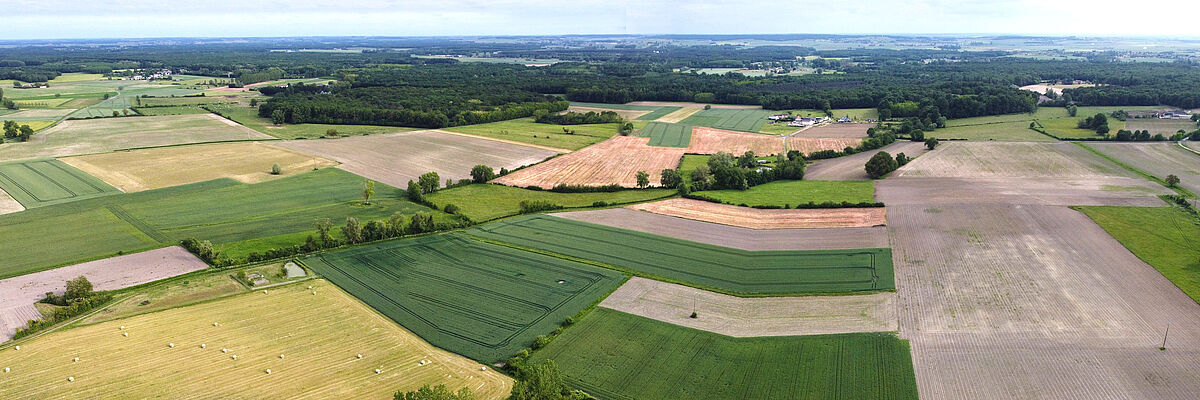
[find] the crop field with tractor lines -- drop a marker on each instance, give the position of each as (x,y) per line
(40,183)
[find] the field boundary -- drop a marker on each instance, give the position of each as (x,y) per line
(1178,189)
(536,146)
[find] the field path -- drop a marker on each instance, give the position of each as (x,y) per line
(761,316)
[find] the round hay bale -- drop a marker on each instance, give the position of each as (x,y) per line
(281,356)
(314,293)
(122,327)
(17,348)
(309,287)
(214,324)
(70,379)
(264,291)
(5,369)
(235,356)
(360,356)
(268,371)
(126,334)
(171,345)
(76,359)
(224,350)
(377,370)
(202,345)
(483,368)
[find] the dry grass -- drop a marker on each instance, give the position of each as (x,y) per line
(754,218)
(8,204)
(145,169)
(1167,127)
(678,115)
(613,161)
(710,141)
(320,336)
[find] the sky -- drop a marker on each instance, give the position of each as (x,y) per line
(61,19)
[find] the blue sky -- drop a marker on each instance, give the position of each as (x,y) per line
(33,19)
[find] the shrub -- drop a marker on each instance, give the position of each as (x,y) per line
(532,206)
(450,208)
(1172,180)
(275,169)
(482,173)
(881,164)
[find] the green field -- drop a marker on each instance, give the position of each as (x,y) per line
(1163,237)
(481,300)
(248,116)
(524,130)
(731,119)
(1003,131)
(1065,128)
(632,107)
(722,269)
(658,113)
(40,183)
(487,202)
(780,193)
(667,135)
(614,355)
(171,110)
(223,211)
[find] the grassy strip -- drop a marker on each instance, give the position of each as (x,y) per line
(1178,189)
(1163,237)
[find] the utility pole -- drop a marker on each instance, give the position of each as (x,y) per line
(1164,345)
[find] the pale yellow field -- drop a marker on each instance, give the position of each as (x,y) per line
(319,335)
(678,115)
(250,162)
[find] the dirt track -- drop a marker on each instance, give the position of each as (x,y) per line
(613,161)
(731,236)
(852,167)
(17,294)
(747,317)
(396,158)
(754,218)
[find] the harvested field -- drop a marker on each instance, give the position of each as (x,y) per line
(107,274)
(1158,159)
(858,131)
(809,145)
(1113,191)
(1011,160)
(852,167)
(40,183)
(749,317)
(693,105)
(1017,131)
(247,162)
(1025,301)
(482,300)
(754,218)
(1166,127)
(717,268)
(614,355)
(8,204)
(396,158)
(710,141)
(613,161)
(627,114)
(678,115)
(731,236)
(77,137)
(320,336)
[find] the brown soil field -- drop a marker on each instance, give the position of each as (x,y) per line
(613,161)
(853,167)
(808,145)
(90,136)
(108,274)
(45,113)
(1011,160)
(754,218)
(1112,191)
(9,204)
(395,158)
(1158,159)
(732,236)
(627,114)
(748,317)
(836,131)
(710,141)
(145,169)
(1167,127)
(678,115)
(693,105)
(1025,301)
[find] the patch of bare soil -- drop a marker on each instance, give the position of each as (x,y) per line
(613,161)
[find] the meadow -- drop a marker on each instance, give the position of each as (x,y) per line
(667,135)
(487,202)
(614,355)
(524,130)
(1002,131)
(309,339)
(746,120)
(780,193)
(75,137)
(721,269)
(1163,237)
(248,116)
(223,211)
(40,183)
(481,300)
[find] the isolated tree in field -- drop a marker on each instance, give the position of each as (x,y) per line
(439,392)
(253,102)
(429,182)
(643,179)
(1072,110)
(1172,180)
(708,106)
(540,382)
(277,117)
(77,288)
(276,169)
(324,225)
(670,178)
(482,173)
(25,133)
(414,192)
(626,129)
(353,230)
(881,164)
(368,191)
(116,114)
(931,143)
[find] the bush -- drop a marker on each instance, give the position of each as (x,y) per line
(450,208)
(77,308)
(532,206)
(881,164)
(275,169)
(482,173)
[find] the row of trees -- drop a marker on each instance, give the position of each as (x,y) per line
(574,118)
(13,131)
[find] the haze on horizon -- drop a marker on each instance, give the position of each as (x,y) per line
(65,19)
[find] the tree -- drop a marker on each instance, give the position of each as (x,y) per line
(275,169)
(439,392)
(881,164)
(25,133)
(721,159)
(917,135)
(931,143)
(540,382)
(11,130)
(368,191)
(670,178)
(414,192)
(324,225)
(708,106)
(77,288)
(277,117)
(1072,110)
(429,182)
(116,113)
(1172,180)
(747,160)
(253,102)
(701,178)
(626,129)
(643,179)
(353,230)
(482,173)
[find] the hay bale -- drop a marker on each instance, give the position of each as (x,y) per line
(70,379)
(360,356)
(171,345)
(122,327)
(377,370)
(483,368)
(126,334)
(224,350)
(309,287)
(235,356)
(6,369)
(202,345)
(281,356)
(268,371)
(314,293)
(214,324)
(76,359)
(264,291)
(17,348)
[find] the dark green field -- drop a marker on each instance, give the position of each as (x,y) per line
(223,211)
(734,120)
(484,301)
(614,355)
(723,269)
(40,183)
(667,135)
